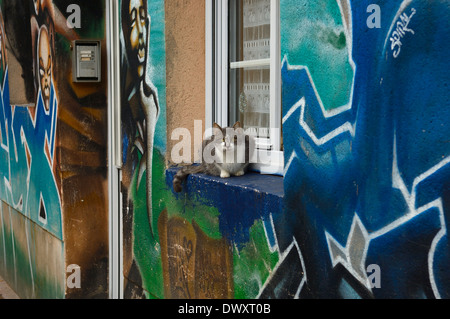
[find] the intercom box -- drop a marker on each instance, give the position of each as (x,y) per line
(86,61)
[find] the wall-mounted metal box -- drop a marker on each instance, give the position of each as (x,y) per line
(86,61)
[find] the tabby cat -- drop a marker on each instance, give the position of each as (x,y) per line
(230,150)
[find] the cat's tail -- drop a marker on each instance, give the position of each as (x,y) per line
(183,173)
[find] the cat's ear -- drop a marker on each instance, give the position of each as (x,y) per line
(237,125)
(217,131)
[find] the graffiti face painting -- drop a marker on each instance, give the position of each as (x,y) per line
(137,36)
(45,66)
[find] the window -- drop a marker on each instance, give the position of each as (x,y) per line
(243,73)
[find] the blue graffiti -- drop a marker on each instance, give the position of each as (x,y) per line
(369,183)
(27,153)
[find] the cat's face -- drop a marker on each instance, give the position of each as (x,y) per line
(227,140)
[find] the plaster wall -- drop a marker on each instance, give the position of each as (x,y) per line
(185,43)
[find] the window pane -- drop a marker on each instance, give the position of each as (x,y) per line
(250,99)
(249,30)
(249,42)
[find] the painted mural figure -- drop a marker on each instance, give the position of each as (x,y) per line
(140,111)
(140,107)
(44,12)
(46,94)
(45,66)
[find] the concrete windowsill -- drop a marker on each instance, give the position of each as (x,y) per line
(240,200)
(251,183)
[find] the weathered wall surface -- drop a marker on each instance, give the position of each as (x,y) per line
(53,153)
(185,40)
(366,146)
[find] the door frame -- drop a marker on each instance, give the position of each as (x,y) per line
(114,151)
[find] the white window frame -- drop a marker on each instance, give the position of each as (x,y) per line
(216,73)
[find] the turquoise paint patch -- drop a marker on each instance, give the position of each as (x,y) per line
(157,67)
(313,35)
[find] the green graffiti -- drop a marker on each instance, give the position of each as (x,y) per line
(253,264)
(146,249)
(313,34)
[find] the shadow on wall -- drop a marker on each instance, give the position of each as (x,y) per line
(19,48)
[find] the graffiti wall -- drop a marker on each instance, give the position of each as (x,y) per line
(362,209)
(365,106)
(53,152)
(143,139)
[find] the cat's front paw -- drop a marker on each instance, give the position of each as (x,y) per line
(240,173)
(224,174)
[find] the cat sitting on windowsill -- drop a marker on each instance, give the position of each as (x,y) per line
(227,153)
